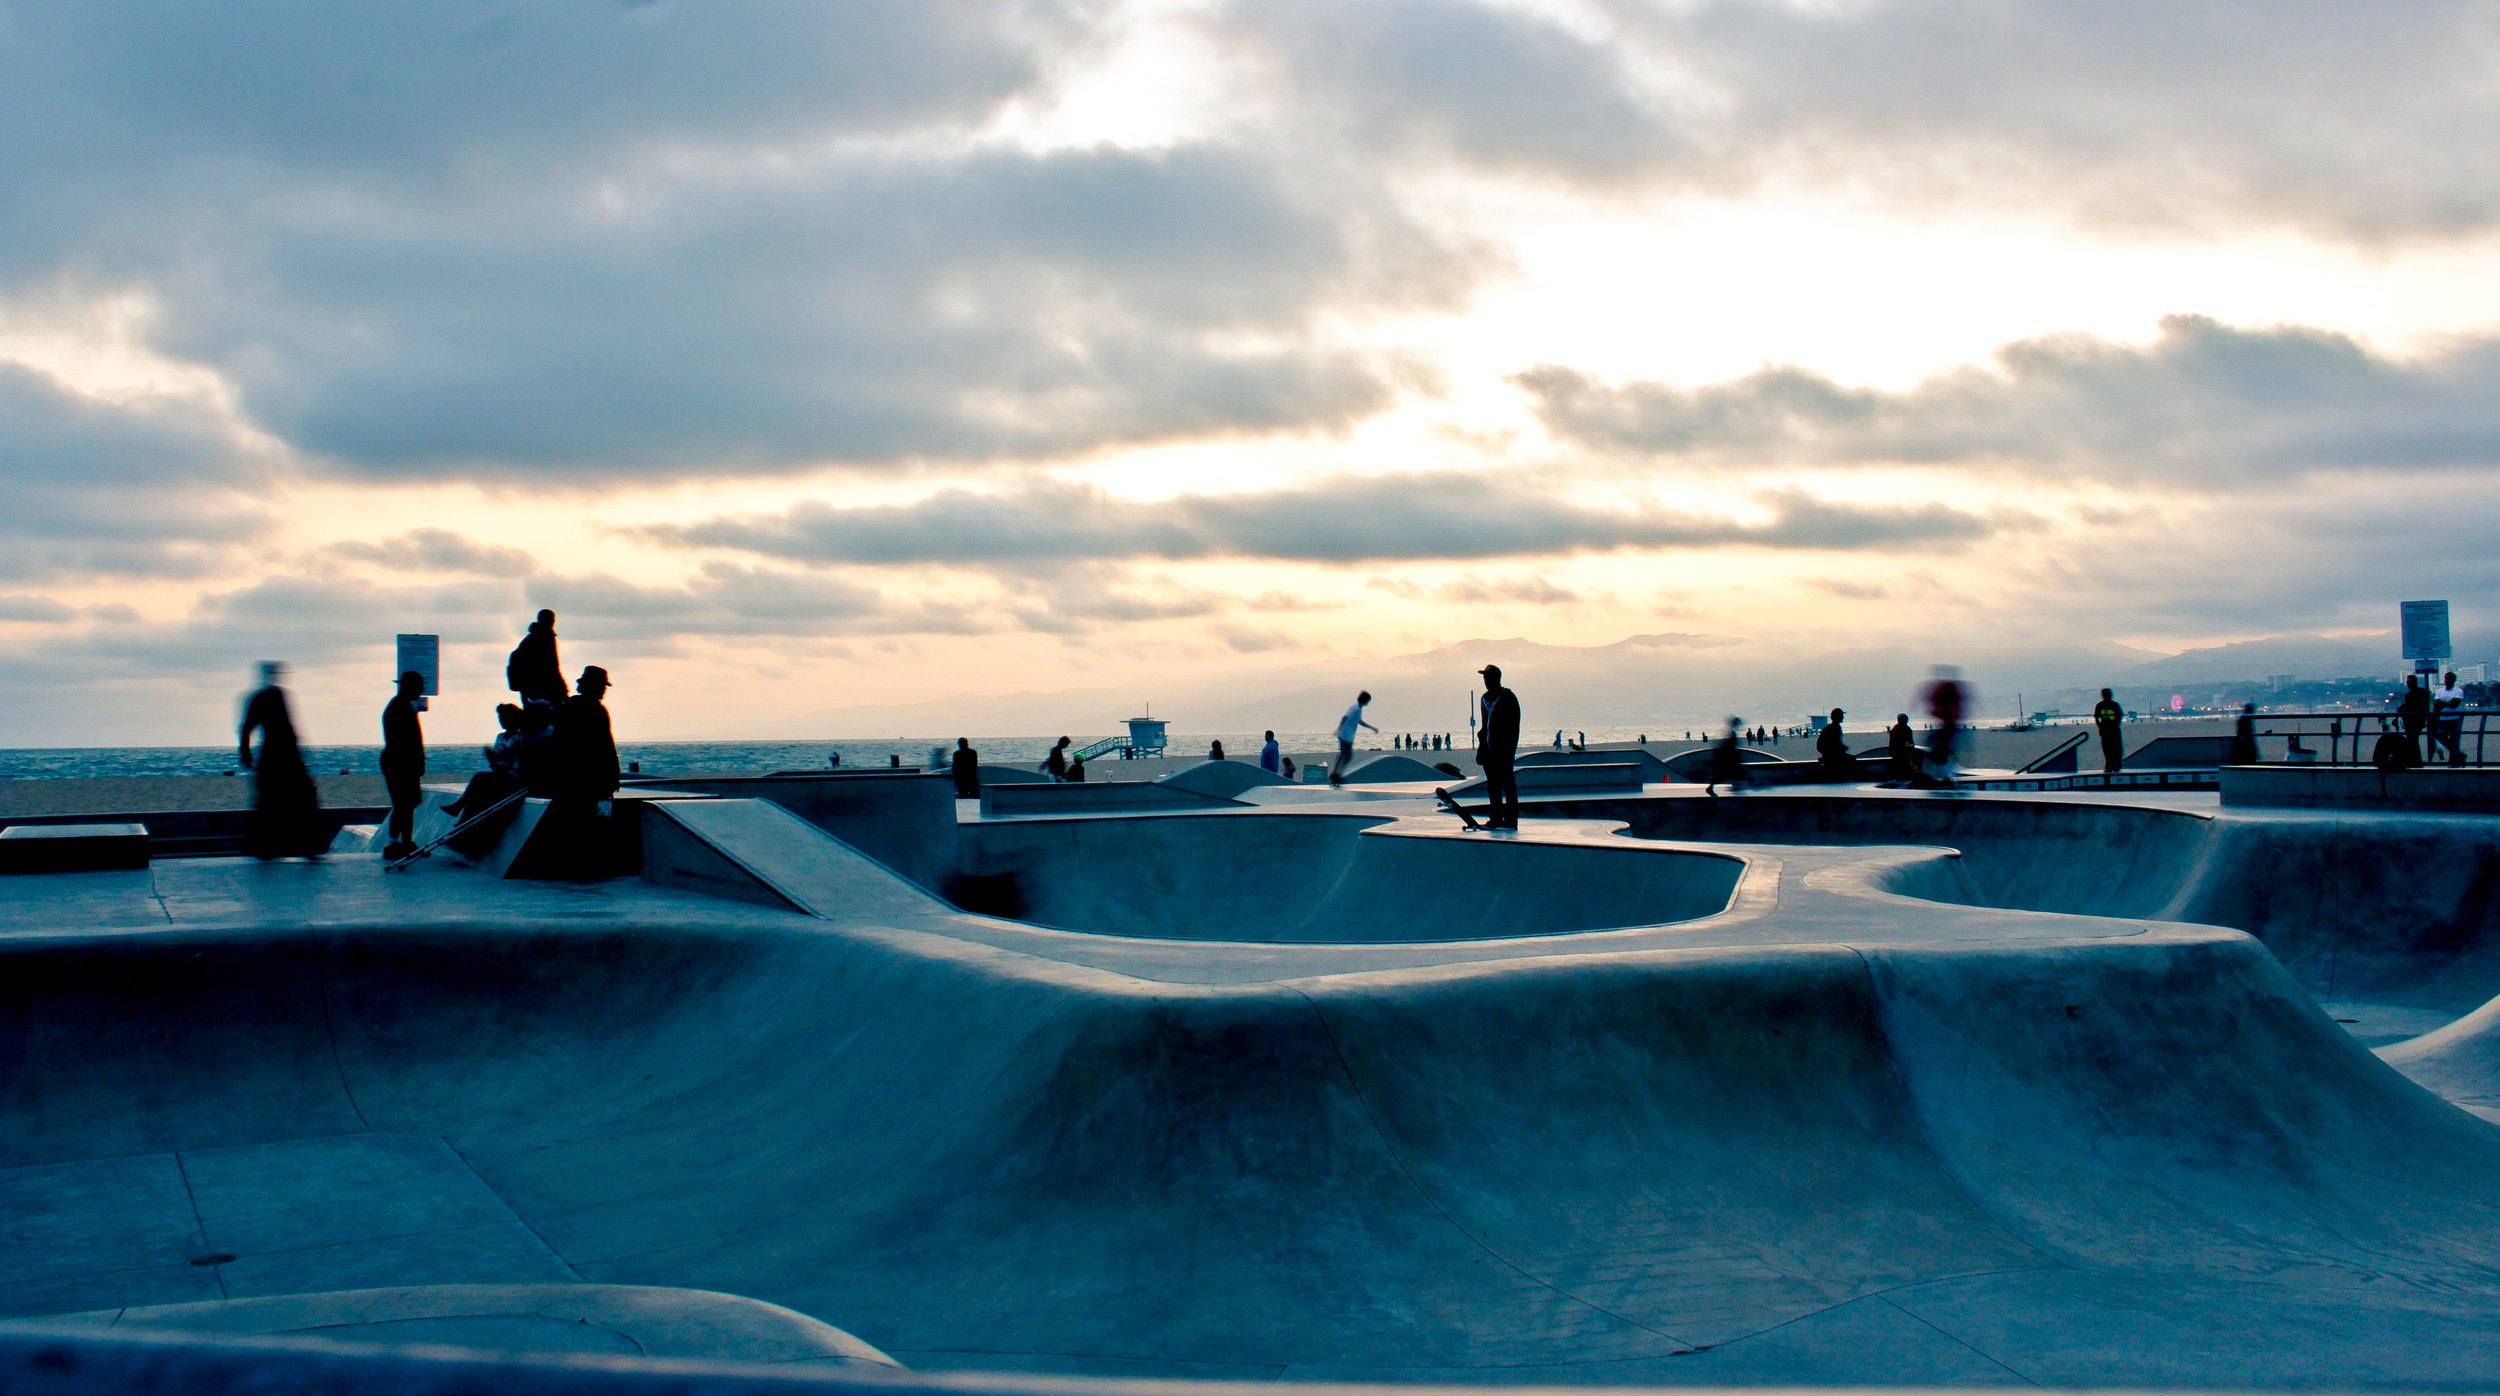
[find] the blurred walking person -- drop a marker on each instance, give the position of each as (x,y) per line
(403,764)
(2107,716)
(1727,762)
(1055,765)
(1947,699)
(1497,750)
(286,817)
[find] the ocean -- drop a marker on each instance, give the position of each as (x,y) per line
(663,758)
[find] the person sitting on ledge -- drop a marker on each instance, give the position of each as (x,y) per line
(1832,753)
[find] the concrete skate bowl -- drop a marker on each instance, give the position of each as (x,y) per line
(2385,910)
(1280,877)
(2068,1155)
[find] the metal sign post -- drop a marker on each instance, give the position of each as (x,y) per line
(2425,632)
(424,654)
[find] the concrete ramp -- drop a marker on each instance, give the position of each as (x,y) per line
(756,851)
(1220,779)
(1393,770)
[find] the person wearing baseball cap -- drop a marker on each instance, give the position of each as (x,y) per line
(1497,748)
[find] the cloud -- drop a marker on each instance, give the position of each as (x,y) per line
(587,243)
(440,550)
(724,599)
(1472,590)
(152,487)
(1480,84)
(2176,114)
(1348,519)
(1848,590)
(41,609)
(1279,602)
(2205,403)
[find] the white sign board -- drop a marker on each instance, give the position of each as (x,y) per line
(422,653)
(2426,630)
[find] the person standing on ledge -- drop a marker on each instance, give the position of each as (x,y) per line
(403,764)
(1497,750)
(1270,755)
(286,808)
(967,770)
(1347,726)
(533,671)
(2107,715)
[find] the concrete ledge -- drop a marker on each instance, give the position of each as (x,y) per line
(621,1320)
(1575,779)
(37,848)
(905,819)
(2471,789)
(1108,797)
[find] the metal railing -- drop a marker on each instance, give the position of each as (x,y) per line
(2460,738)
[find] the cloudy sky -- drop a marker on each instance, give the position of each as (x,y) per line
(806,354)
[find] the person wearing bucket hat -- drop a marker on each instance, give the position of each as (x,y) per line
(1497,747)
(586,741)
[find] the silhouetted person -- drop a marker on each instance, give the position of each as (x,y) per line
(2446,725)
(1727,765)
(2244,737)
(2393,751)
(1347,726)
(286,817)
(1832,750)
(403,764)
(1215,751)
(490,787)
(537,759)
(1497,749)
(533,671)
(1076,770)
(967,770)
(585,742)
(2414,712)
(2107,716)
(1901,750)
(1056,764)
(1270,756)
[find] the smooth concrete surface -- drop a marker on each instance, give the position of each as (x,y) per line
(625,1320)
(1653,767)
(1093,797)
(1284,876)
(2473,789)
(1392,769)
(1575,778)
(903,819)
(1221,779)
(1951,1091)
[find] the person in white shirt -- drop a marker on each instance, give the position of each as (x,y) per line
(1347,726)
(2446,725)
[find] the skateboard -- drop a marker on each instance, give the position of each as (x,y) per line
(1452,806)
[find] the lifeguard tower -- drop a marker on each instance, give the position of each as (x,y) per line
(1145,738)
